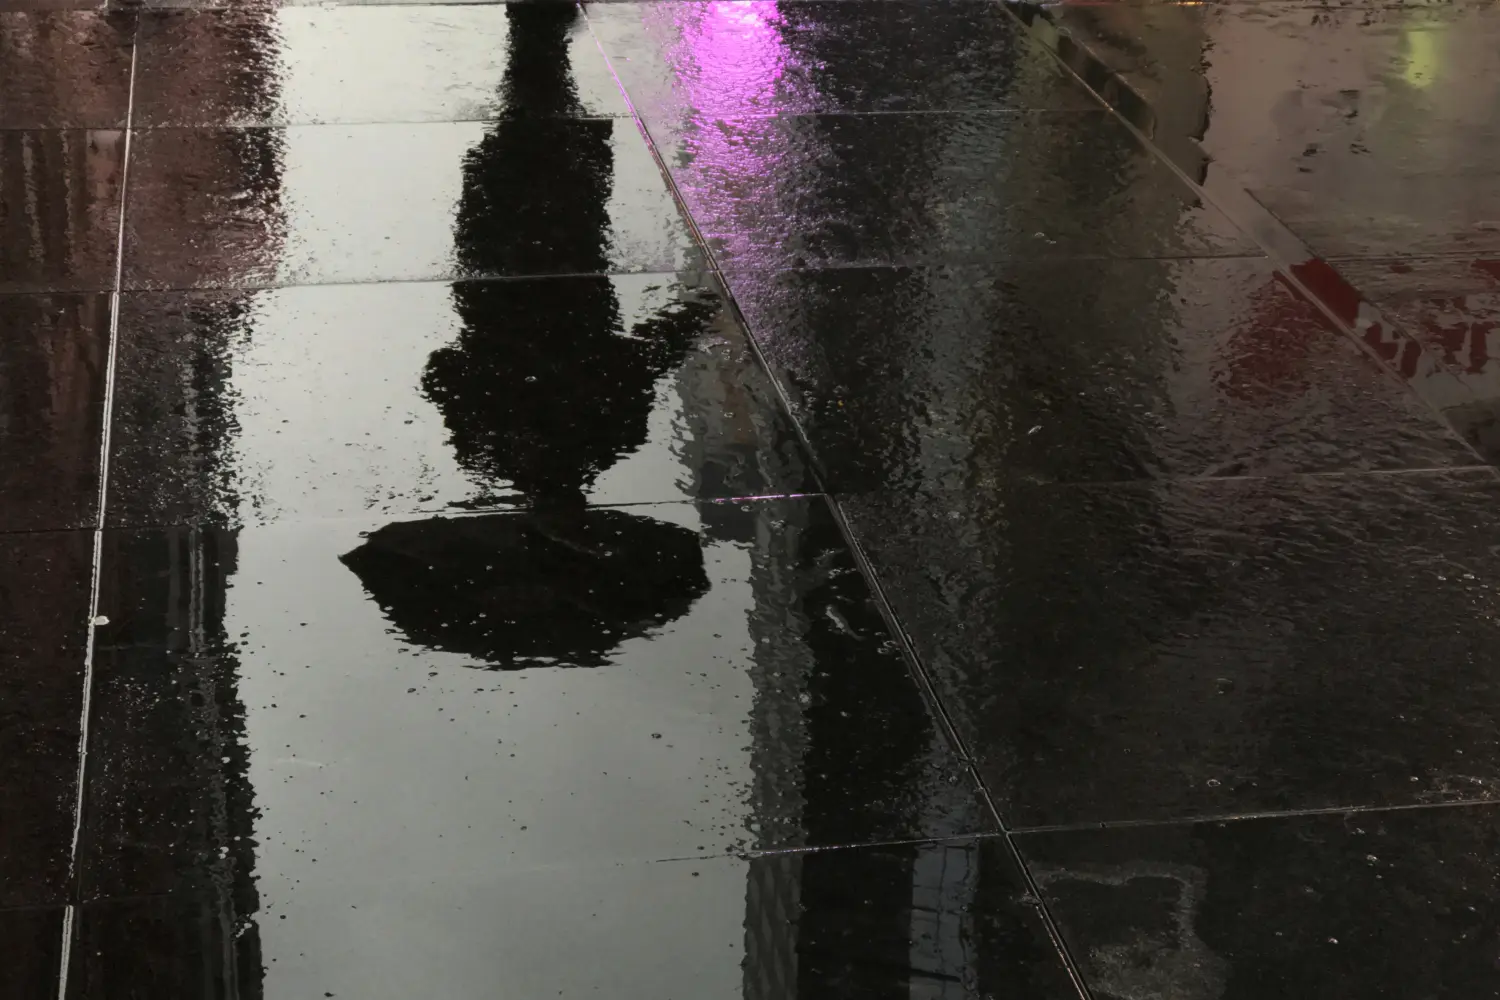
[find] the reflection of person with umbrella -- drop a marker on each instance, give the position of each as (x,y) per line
(542,391)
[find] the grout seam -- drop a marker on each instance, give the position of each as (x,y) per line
(363,517)
(70,914)
(656,268)
(451,513)
(1247,817)
(266,125)
(759,853)
(969,760)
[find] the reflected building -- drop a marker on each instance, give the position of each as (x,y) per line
(797,917)
(169,776)
(60,209)
(61,191)
(175,584)
(60,188)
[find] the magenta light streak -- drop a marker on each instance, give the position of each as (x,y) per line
(731,67)
(733,55)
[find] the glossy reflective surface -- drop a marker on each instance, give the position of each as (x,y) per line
(967,376)
(1381,130)
(52,374)
(276,206)
(918,920)
(1295,96)
(64,69)
(51,5)
(465,616)
(1183,649)
(60,202)
(702,61)
(1450,303)
(302,66)
(31,948)
(1385,904)
(415,397)
(1363,133)
(784,192)
(198,5)
(488,692)
(44,602)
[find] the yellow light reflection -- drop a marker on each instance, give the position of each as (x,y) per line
(1422,58)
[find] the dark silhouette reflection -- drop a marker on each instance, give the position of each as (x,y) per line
(170,801)
(565,588)
(543,175)
(544,389)
(169,804)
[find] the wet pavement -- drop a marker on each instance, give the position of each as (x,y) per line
(751,498)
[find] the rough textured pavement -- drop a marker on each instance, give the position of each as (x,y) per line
(759,499)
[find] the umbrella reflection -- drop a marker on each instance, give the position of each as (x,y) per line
(516,590)
(543,390)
